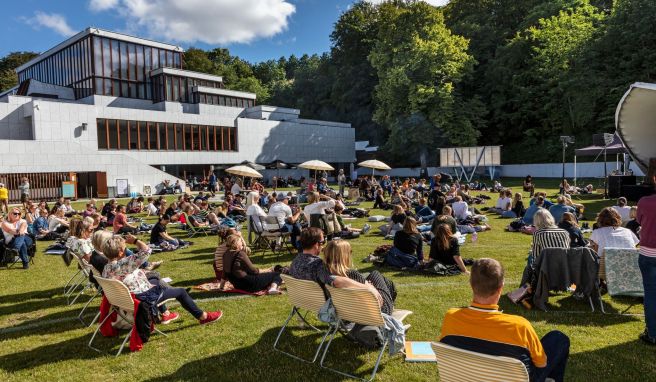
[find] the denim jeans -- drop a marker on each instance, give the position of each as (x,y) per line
(648,269)
(508,214)
(158,293)
(295,229)
(21,243)
(556,347)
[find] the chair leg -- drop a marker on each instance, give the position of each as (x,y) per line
(125,340)
(71,280)
(98,329)
(79,317)
(284,326)
(80,292)
(325,352)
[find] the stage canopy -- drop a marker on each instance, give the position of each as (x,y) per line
(635,122)
(597,148)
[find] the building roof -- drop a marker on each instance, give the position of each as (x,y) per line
(186,73)
(97,32)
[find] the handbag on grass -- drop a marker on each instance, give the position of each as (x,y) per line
(519,294)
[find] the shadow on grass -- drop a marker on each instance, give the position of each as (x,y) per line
(52,323)
(31,306)
(623,362)
(52,353)
(344,355)
(33,295)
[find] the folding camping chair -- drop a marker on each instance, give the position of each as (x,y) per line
(306,295)
(623,277)
(10,256)
(119,297)
(193,231)
(273,235)
(458,365)
(358,306)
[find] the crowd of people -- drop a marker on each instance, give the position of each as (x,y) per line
(436,213)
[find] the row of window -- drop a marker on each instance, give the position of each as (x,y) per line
(178,89)
(64,68)
(122,69)
(139,135)
(213,99)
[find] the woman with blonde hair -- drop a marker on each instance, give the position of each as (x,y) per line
(317,204)
(516,207)
(547,234)
(240,271)
(338,260)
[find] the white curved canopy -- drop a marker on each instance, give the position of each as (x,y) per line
(375,164)
(635,122)
(242,170)
(316,165)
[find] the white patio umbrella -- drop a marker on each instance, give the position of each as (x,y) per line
(316,165)
(374,165)
(243,171)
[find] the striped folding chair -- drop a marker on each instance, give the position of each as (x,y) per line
(304,295)
(458,365)
(359,306)
(119,297)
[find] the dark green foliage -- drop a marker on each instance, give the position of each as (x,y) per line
(8,63)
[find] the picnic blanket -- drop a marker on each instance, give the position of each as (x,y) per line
(215,286)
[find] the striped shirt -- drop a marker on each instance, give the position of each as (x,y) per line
(549,238)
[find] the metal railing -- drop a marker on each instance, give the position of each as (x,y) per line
(44,185)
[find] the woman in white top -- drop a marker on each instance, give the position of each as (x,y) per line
(318,204)
(623,210)
(57,222)
(253,210)
(611,234)
(14,230)
(236,187)
(504,203)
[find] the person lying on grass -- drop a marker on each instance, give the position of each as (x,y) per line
(128,271)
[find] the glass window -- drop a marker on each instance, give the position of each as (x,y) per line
(140,63)
(115,60)
(152,135)
(170,136)
(123,135)
(178,137)
(202,132)
(113,134)
(187,137)
(183,90)
(161,143)
(176,89)
(132,60)
(124,89)
(232,140)
(168,89)
(162,58)
(102,133)
(143,135)
(176,60)
(134,136)
(155,58)
(224,139)
(123,51)
(194,138)
(107,68)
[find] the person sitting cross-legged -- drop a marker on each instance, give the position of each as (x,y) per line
(423,212)
(127,270)
(483,328)
(159,236)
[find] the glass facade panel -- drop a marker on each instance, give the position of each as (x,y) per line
(112,128)
(123,135)
(152,135)
(187,137)
(170,137)
(134,136)
(102,133)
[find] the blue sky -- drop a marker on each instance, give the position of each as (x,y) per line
(255,30)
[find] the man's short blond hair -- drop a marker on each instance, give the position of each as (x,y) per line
(486,277)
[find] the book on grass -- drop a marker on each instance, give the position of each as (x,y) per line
(419,351)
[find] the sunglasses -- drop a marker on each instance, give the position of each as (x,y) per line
(15,213)
(322,242)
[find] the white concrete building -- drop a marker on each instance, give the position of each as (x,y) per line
(110,107)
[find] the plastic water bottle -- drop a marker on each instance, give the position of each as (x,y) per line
(474,237)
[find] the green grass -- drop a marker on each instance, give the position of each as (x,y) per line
(40,338)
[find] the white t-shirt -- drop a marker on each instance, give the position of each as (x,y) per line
(152,210)
(235,189)
(318,208)
(609,237)
(502,203)
(53,222)
(255,210)
(280,210)
(411,193)
(624,212)
(460,210)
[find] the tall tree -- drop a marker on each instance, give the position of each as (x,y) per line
(420,65)
(8,64)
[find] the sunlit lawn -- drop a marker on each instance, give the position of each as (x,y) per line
(41,339)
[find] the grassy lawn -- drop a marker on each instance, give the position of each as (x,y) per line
(41,338)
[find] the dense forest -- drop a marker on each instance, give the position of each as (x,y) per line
(411,77)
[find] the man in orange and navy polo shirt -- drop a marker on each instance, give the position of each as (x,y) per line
(482,328)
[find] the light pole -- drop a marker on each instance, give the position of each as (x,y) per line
(565,140)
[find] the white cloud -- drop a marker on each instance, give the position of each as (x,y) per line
(54,21)
(436,3)
(102,5)
(208,21)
